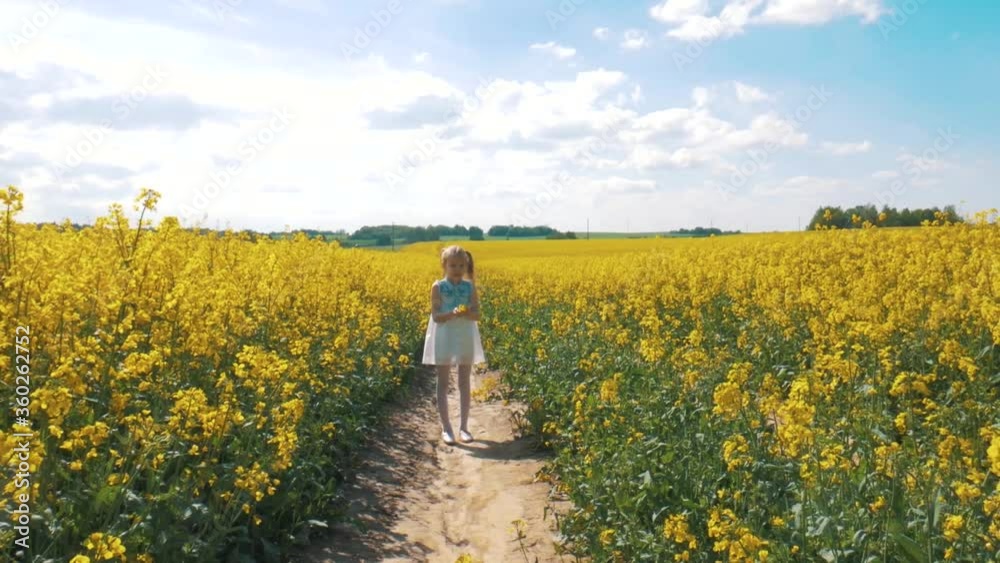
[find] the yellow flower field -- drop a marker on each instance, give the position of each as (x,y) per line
(192,397)
(821,396)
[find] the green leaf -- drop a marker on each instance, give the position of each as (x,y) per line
(797,514)
(656,515)
(910,548)
(196,508)
(897,500)
(986,350)
(821,525)
(106,496)
(690,505)
(938,507)
(881,435)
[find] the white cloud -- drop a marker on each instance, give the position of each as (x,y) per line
(207,70)
(766,128)
(665,120)
(841,149)
(517,136)
(678,11)
(804,186)
(691,20)
(636,95)
(701,96)
(687,137)
(634,40)
(633,98)
(223,13)
(913,162)
(601,33)
(558,51)
(534,112)
(619,185)
(749,94)
(311,6)
(885,174)
(644,157)
(814,12)
(730,22)
(702,29)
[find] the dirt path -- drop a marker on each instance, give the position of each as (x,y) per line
(417,499)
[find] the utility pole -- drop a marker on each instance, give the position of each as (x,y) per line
(588,228)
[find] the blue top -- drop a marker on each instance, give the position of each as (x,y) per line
(453,295)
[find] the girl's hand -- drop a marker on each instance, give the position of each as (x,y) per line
(460,311)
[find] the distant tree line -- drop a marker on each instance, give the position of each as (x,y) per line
(703,232)
(561,236)
(856,217)
(314,233)
(386,235)
(514,232)
(383,234)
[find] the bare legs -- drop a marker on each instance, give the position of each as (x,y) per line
(465,398)
(464,392)
(443,376)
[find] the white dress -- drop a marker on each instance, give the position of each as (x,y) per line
(455,341)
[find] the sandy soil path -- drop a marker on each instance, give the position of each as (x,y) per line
(415,498)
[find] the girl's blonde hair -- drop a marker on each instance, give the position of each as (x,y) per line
(455,251)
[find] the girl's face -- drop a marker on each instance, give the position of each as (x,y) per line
(455,267)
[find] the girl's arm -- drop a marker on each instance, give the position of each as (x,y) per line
(473,312)
(436,304)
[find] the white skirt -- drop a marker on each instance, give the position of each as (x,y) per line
(453,342)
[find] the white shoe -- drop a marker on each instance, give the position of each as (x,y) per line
(448,438)
(465,436)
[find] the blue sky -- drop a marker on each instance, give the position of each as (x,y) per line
(647,115)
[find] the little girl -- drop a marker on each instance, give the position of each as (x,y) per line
(453,335)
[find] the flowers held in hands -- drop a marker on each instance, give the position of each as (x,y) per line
(464,312)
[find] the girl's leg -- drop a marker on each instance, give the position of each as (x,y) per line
(464,394)
(443,380)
